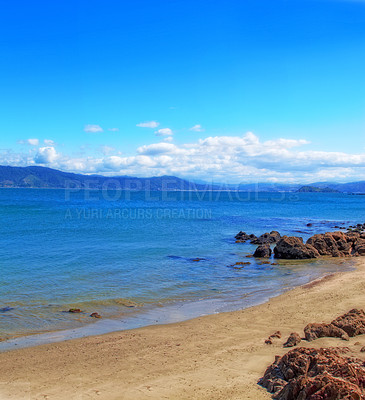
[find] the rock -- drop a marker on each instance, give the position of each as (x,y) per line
(263,251)
(95,315)
(242,263)
(267,238)
(309,224)
(359,247)
(353,322)
(6,309)
(315,374)
(275,335)
(293,339)
(74,310)
(329,244)
(362,349)
(242,237)
(315,331)
(293,248)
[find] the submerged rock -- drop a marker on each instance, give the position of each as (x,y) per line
(74,310)
(6,309)
(95,315)
(315,374)
(293,248)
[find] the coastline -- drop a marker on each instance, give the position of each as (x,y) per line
(178,310)
(219,356)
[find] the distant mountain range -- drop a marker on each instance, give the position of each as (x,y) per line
(42,177)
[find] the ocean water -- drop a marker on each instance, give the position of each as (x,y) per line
(126,255)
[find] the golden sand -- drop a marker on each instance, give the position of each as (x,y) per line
(214,357)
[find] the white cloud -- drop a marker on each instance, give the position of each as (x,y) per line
(31,142)
(197,128)
(46,155)
(93,128)
(222,158)
(157,148)
(49,142)
(168,139)
(148,124)
(107,149)
(113,129)
(164,132)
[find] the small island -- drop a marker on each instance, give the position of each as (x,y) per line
(315,189)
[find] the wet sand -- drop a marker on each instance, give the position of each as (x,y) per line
(213,357)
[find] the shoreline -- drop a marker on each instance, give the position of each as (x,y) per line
(173,312)
(219,356)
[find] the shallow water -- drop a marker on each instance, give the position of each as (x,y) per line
(125,254)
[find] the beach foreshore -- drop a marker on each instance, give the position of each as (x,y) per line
(218,356)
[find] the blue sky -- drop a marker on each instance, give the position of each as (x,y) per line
(226,90)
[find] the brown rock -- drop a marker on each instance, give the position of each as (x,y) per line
(74,310)
(263,251)
(95,315)
(293,339)
(315,374)
(315,331)
(353,322)
(267,238)
(242,237)
(275,335)
(331,244)
(292,248)
(359,247)
(362,349)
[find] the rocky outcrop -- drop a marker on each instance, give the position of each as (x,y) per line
(263,251)
(293,339)
(335,244)
(267,238)
(315,374)
(242,237)
(331,244)
(359,247)
(293,248)
(353,322)
(315,331)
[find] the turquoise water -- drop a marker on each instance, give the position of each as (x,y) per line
(126,253)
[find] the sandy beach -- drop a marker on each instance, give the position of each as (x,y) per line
(213,357)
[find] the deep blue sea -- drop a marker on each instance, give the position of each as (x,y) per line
(129,254)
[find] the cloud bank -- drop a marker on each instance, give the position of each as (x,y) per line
(219,158)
